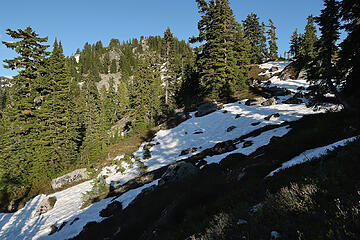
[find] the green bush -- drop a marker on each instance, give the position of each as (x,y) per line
(100,190)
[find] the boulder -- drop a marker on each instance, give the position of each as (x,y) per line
(255,123)
(223,147)
(289,72)
(238,116)
(277,91)
(74,176)
(207,108)
(255,101)
(229,129)
(293,100)
(45,206)
(273,69)
(188,151)
(270,102)
(177,172)
(272,116)
(247,144)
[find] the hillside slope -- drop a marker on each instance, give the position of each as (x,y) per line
(254,133)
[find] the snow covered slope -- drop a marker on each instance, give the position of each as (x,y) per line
(231,122)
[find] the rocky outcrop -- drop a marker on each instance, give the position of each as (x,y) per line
(270,102)
(273,69)
(293,100)
(188,151)
(45,206)
(255,101)
(272,117)
(177,172)
(120,126)
(207,108)
(74,176)
(277,91)
(290,72)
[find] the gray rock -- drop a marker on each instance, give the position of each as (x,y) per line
(272,116)
(270,102)
(273,69)
(277,91)
(238,116)
(247,144)
(255,123)
(255,101)
(177,172)
(293,100)
(74,176)
(44,206)
(188,151)
(229,129)
(207,108)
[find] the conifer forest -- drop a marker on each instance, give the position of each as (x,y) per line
(62,113)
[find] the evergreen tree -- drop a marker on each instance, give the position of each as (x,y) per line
(307,51)
(93,147)
(216,59)
(349,62)
(273,48)
(17,142)
(169,79)
(329,25)
(295,43)
(255,32)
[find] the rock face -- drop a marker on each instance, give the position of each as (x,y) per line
(45,206)
(207,108)
(74,176)
(270,102)
(255,101)
(119,126)
(177,172)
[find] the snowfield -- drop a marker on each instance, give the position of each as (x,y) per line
(232,121)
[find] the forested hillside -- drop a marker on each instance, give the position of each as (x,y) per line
(198,131)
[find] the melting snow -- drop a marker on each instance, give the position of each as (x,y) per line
(311,154)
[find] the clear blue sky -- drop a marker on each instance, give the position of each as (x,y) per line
(76,22)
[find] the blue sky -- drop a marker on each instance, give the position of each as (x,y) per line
(76,22)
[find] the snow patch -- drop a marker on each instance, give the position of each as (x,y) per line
(312,154)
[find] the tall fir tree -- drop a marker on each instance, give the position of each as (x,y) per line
(349,62)
(17,142)
(307,51)
(216,59)
(273,48)
(329,25)
(169,73)
(295,42)
(255,32)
